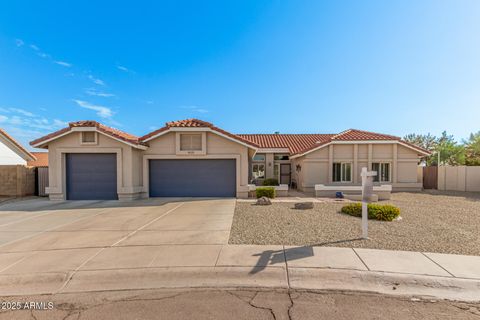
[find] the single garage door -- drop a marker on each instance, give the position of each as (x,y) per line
(91,176)
(193,178)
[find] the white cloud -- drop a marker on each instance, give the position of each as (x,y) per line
(95,92)
(43,55)
(34,47)
(96,80)
(63,63)
(60,123)
(27,126)
(102,111)
(22,112)
(123,68)
(19,42)
(22,118)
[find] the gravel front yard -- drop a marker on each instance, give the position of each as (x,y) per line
(431,222)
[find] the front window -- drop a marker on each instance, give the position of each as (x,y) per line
(259,157)
(89,137)
(280,157)
(342,172)
(258,171)
(383,171)
(190,142)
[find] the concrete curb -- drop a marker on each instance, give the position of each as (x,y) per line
(309,279)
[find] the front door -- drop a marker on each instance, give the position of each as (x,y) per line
(285,173)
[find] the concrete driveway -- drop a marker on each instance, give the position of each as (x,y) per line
(38,236)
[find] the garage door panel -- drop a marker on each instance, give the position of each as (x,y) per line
(91,176)
(193,178)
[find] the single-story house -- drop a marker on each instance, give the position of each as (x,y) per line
(194,158)
(12,152)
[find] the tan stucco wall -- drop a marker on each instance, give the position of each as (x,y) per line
(407,172)
(382,152)
(316,166)
(459,178)
(217,146)
(131,162)
(406,153)
(127,185)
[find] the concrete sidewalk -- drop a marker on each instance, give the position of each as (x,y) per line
(238,266)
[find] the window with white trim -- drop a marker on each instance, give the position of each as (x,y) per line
(190,142)
(259,157)
(383,171)
(258,171)
(89,137)
(281,157)
(342,172)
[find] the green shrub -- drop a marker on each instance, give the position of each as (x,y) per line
(383,212)
(268,192)
(270,182)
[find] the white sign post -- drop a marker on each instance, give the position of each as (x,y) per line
(367,192)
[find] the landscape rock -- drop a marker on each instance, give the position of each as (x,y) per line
(263,201)
(304,205)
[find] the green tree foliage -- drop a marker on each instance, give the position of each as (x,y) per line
(451,153)
(472,150)
(426,141)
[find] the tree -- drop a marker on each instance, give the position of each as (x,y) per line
(472,150)
(426,141)
(451,152)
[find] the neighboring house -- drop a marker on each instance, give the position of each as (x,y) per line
(41,160)
(88,160)
(12,152)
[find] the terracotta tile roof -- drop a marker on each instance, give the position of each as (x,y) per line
(127,137)
(294,142)
(302,143)
(195,123)
(354,134)
(17,144)
(189,123)
(42,160)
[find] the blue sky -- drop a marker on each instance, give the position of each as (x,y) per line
(248,66)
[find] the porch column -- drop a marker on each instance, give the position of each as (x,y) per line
(355,163)
(395,163)
(269,165)
(370,152)
(330,163)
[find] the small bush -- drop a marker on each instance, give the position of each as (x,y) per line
(268,192)
(270,182)
(383,212)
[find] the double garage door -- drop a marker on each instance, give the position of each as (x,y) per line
(93,176)
(192,178)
